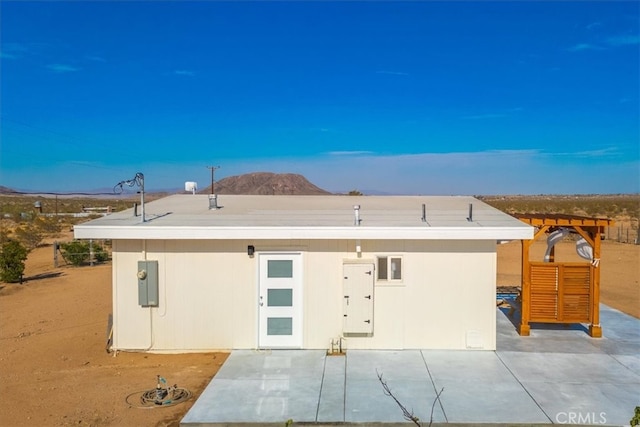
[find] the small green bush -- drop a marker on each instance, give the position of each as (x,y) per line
(635,421)
(99,254)
(12,257)
(77,252)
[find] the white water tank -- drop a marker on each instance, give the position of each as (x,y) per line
(191,186)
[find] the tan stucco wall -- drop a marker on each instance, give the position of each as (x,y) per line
(209,294)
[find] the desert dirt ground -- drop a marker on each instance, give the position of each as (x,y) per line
(55,370)
(54,367)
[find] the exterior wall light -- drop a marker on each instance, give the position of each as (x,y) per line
(251,250)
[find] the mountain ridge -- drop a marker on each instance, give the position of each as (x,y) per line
(266,183)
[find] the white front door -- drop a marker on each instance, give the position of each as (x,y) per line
(280,300)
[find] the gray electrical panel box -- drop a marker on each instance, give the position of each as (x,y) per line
(148,283)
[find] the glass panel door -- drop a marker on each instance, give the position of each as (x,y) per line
(280,307)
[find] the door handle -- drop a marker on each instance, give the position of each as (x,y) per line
(368,297)
(261,303)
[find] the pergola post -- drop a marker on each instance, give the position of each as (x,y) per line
(525,296)
(595,330)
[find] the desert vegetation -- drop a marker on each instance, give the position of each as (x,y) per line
(12,258)
(22,206)
(28,222)
(623,208)
(30,218)
(599,206)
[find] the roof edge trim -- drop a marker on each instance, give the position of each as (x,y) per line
(315,233)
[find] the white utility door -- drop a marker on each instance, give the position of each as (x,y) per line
(358,298)
(280,300)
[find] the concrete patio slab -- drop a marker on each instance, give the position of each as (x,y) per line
(490,402)
(557,375)
(632,362)
(366,401)
(575,403)
(332,396)
(563,367)
(476,386)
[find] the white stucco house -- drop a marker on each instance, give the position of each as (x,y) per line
(382,272)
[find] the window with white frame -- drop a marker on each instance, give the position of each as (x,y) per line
(389,268)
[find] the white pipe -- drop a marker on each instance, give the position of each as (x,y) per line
(584,249)
(141,176)
(554,238)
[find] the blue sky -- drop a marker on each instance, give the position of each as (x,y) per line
(404,98)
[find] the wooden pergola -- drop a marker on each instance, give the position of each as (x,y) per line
(562,292)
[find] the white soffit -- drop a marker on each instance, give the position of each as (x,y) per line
(235,233)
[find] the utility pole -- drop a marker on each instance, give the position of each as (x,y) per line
(213,199)
(212,168)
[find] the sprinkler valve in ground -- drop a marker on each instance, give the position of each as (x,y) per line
(160,396)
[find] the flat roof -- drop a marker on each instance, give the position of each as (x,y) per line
(309,217)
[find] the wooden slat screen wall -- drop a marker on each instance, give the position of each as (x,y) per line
(544,292)
(576,300)
(560,292)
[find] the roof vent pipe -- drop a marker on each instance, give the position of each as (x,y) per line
(356,212)
(140,180)
(213,202)
(470,217)
(424,213)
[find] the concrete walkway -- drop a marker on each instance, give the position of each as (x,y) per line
(557,375)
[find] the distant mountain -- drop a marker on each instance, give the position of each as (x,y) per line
(4,189)
(266,183)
